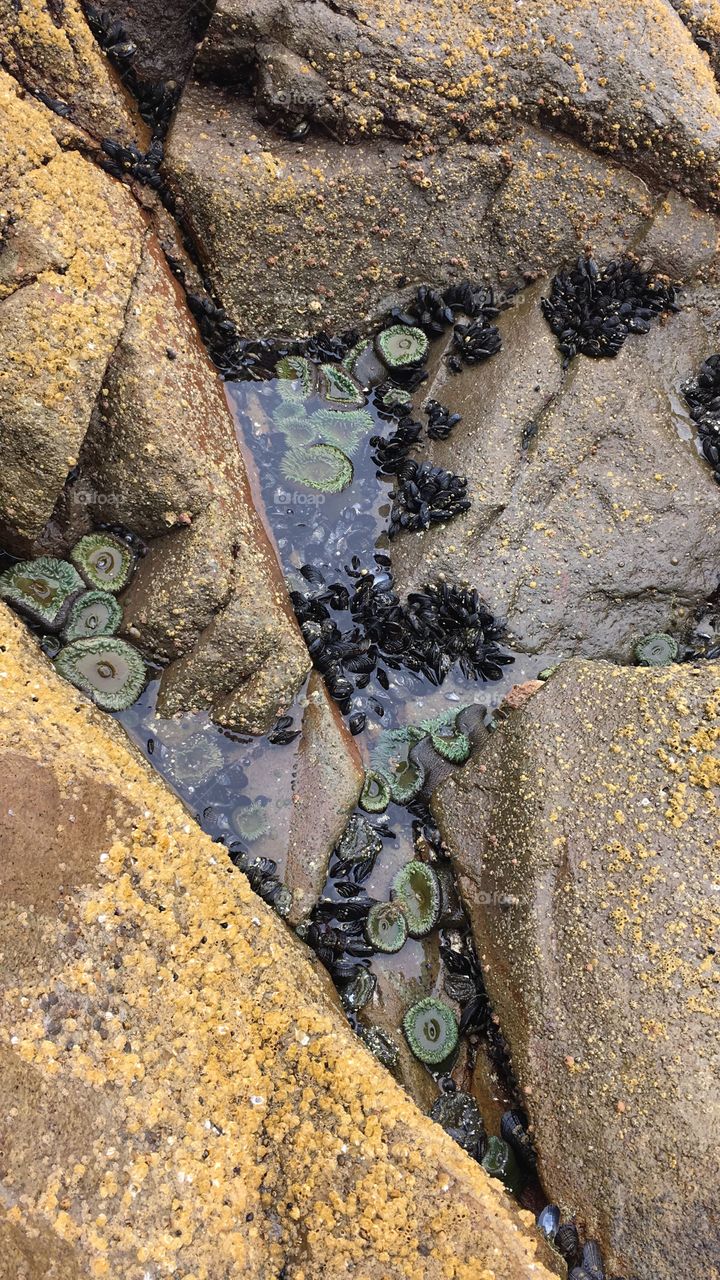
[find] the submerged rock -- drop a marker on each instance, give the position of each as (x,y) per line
(148,997)
(586,841)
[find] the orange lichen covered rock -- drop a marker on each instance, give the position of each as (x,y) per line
(49,49)
(181,1095)
(587,840)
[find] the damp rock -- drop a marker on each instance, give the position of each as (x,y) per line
(327,778)
(584,539)
(588,829)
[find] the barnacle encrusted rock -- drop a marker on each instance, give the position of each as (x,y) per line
(466,89)
(47,46)
(71,246)
(173,1056)
(593,519)
(593,815)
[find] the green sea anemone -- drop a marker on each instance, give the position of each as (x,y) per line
(250,822)
(416,890)
(401,345)
(349,361)
(339,387)
(449,741)
(191,758)
(297,427)
(105,562)
(358,841)
(656,650)
(499,1161)
(42,589)
(94,613)
(375,795)
(319,466)
(386,928)
(346,429)
(395,397)
(108,670)
(431,1030)
(391,758)
(289,393)
(381,1045)
(297,369)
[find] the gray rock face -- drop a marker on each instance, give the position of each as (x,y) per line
(586,841)
(593,522)
(450,174)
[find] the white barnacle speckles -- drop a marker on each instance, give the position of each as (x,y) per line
(257,1100)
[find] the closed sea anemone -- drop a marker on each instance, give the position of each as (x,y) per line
(416,890)
(42,589)
(431,1030)
(656,650)
(375,795)
(94,613)
(105,562)
(108,670)
(338,386)
(319,466)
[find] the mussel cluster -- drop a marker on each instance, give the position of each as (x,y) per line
(426,495)
(433,629)
(433,311)
(703,397)
(592,309)
(156,100)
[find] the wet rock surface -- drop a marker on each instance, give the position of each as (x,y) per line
(592,521)
(586,839)
(451,173)
(164,1032)
(327,780)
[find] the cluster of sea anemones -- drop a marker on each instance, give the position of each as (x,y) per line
(73,606)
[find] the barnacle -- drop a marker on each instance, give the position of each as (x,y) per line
(656,650)
(105,562)
(108,670)
(401,345)
(381,1044)
(250,821)
(344,429)
(431,1030)
(500,1162)
(449,741)
(358,841)
(94,613)
(339,387)
(375,795)
(297,369)
(319,466)
(42,589)
(386,928)
(416,890)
